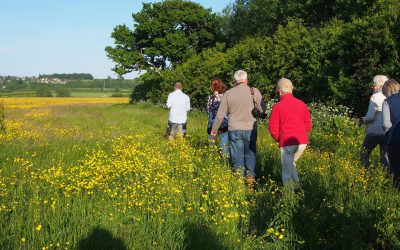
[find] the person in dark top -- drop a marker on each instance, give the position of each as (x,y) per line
(218,88)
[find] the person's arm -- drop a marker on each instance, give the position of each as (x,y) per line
(259,101)
(169,101)
(370,116)
(223,108)
(307,119)
(386,124)
(188,104)
(274,123)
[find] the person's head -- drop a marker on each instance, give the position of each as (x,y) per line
(284,86)
(240,77)
(217,85)
(378,81)
(178,85)
(390,87)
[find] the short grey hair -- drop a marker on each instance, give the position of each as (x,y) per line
(240,75)
(178,85)
(379,80)
(285,85)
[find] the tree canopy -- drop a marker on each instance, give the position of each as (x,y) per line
(329,49)
(165,34)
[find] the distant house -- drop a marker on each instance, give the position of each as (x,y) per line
(51,80)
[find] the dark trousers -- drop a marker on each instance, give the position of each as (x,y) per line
(394,159)
(370,142)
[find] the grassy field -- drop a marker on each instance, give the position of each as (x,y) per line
(87,173)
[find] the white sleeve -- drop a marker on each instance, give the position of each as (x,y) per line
(188,103)
(372,107)
(169,101)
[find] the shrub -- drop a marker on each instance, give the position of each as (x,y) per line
(117,95)
(43,92)
(63,92)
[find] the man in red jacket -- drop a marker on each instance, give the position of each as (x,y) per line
(289,125)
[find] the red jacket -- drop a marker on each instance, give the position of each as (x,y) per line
(290,121)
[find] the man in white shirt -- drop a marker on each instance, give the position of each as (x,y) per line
(179,105)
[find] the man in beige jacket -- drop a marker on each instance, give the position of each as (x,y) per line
(238,103)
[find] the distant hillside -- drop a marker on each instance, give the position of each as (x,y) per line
(74,76)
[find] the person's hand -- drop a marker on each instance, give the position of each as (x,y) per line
(213,133)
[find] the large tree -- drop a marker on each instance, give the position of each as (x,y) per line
(165,33)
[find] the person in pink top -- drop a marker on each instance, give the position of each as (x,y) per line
(289,125)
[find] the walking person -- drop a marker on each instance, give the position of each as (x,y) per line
(391,125)
(289,125)
(238,103)
(373,119)
(179,105)
(218,88)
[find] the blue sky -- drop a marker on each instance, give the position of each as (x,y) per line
(64,36)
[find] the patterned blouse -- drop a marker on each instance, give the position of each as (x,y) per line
(212,109)
(213,104)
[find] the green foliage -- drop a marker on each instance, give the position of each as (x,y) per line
(43,91)
(166,32)
(246,18)
(330,51)
(74,76)
(147,89)
(62,92)
(100,83)
(196,74)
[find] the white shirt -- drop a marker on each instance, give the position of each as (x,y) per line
(179,105)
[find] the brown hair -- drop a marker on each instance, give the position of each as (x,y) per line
(390,87)
(218,85)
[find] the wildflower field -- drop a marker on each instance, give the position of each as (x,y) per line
(97,173)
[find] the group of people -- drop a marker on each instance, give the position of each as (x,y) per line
(233,118)
(383,124)
(232,123)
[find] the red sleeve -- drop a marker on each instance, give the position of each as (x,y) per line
(274,123)
(307,119)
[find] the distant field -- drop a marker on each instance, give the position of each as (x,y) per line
(74,93)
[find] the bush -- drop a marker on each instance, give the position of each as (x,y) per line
(63,92)
(117,95)
(147,89)
(43,92)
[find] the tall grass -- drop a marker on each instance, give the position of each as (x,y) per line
(2,118)
(103,175)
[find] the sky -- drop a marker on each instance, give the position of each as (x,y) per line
(65,36)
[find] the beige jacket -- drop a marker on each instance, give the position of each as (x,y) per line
(238,103)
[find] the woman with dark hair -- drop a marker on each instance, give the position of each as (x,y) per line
(218,88)
(391,124)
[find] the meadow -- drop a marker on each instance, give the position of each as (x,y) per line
(97,173)
(75,92)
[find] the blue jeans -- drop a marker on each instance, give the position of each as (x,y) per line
(243,144)
(223,140)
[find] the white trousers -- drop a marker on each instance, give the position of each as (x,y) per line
(289,156)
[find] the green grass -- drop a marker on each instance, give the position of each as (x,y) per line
(104,175)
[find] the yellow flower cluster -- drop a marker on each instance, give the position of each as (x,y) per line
(35,102)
